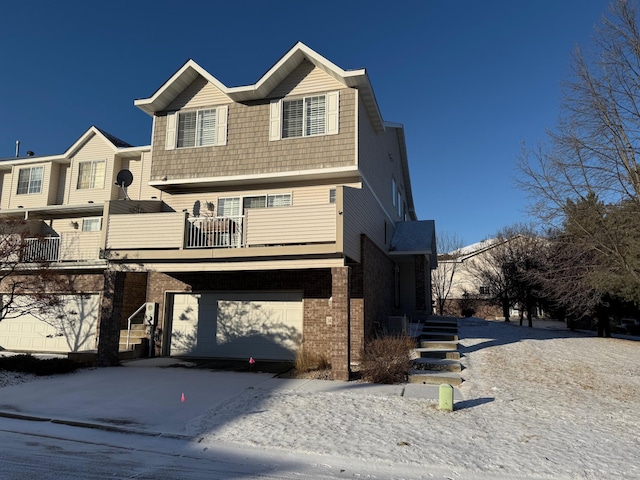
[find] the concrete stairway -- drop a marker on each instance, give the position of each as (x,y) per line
(138,341)
(437,359)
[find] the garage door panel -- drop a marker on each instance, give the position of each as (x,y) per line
(237,325)
(70,327)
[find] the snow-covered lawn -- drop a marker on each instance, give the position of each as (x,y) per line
(542,402)
(538,402)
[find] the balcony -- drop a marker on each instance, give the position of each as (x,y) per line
(259,227)
(68,247)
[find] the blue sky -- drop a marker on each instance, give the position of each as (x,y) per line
(470,80)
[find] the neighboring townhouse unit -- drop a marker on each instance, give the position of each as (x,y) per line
(271,217)
(64,200)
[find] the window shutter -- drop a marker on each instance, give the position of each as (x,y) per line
(333,111)
(275,119)
(170,142)
(221,125)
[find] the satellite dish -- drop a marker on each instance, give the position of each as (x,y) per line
(123,180)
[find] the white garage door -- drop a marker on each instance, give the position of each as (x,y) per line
(264,325)
(70,327)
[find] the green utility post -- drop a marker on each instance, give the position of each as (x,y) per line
(446,397)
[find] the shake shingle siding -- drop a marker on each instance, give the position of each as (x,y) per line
(249,151)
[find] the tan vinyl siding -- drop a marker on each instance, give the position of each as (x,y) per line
(200,93)
(146,230)
(117,207)
(249,151)
(5,189)
(144,175)
(305,79)
(291,225)
(54,183)
(63,184)
(314,195)
(379,161)
(80,246)
(31,199)
(95,148)
(362,214)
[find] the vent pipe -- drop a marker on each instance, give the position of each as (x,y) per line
(17,148)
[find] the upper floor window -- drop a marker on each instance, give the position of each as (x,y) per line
(484,290)
(30,180)
(91,174)
(304,117)
(197,128)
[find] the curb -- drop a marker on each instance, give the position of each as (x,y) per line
(94,426)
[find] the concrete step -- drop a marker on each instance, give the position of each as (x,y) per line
(442,323)
(435,378)
(438,336)
(436,365)
(437,353)
(439,344)
(439,328)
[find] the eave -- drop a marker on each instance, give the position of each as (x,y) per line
(180,80)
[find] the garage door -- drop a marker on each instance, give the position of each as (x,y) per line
(265,325)
(68,328)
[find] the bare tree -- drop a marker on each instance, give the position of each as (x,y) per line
(592,155)
(443,277)
(27,283)
(508,270)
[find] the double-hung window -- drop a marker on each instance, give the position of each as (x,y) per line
(304,117)
(197,128)
(91,174)
(30,180)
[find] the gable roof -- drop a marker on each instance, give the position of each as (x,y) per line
(119,146)
(114,142)
(180,80)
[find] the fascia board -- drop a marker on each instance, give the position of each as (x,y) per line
(178,81)
(85,138)
(265,178)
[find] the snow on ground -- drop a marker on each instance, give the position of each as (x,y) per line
(542,402)
(538,402)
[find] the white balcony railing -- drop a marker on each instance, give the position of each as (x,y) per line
(45,249)
(207,232)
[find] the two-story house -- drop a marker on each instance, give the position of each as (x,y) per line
(271,217)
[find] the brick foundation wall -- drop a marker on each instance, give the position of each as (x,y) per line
(134,295)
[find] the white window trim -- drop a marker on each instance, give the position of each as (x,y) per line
(332,116)
(92,174)
(222,113)
(29,186)
(266,199)
(91,220)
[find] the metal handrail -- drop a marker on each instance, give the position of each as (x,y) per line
(129,322)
